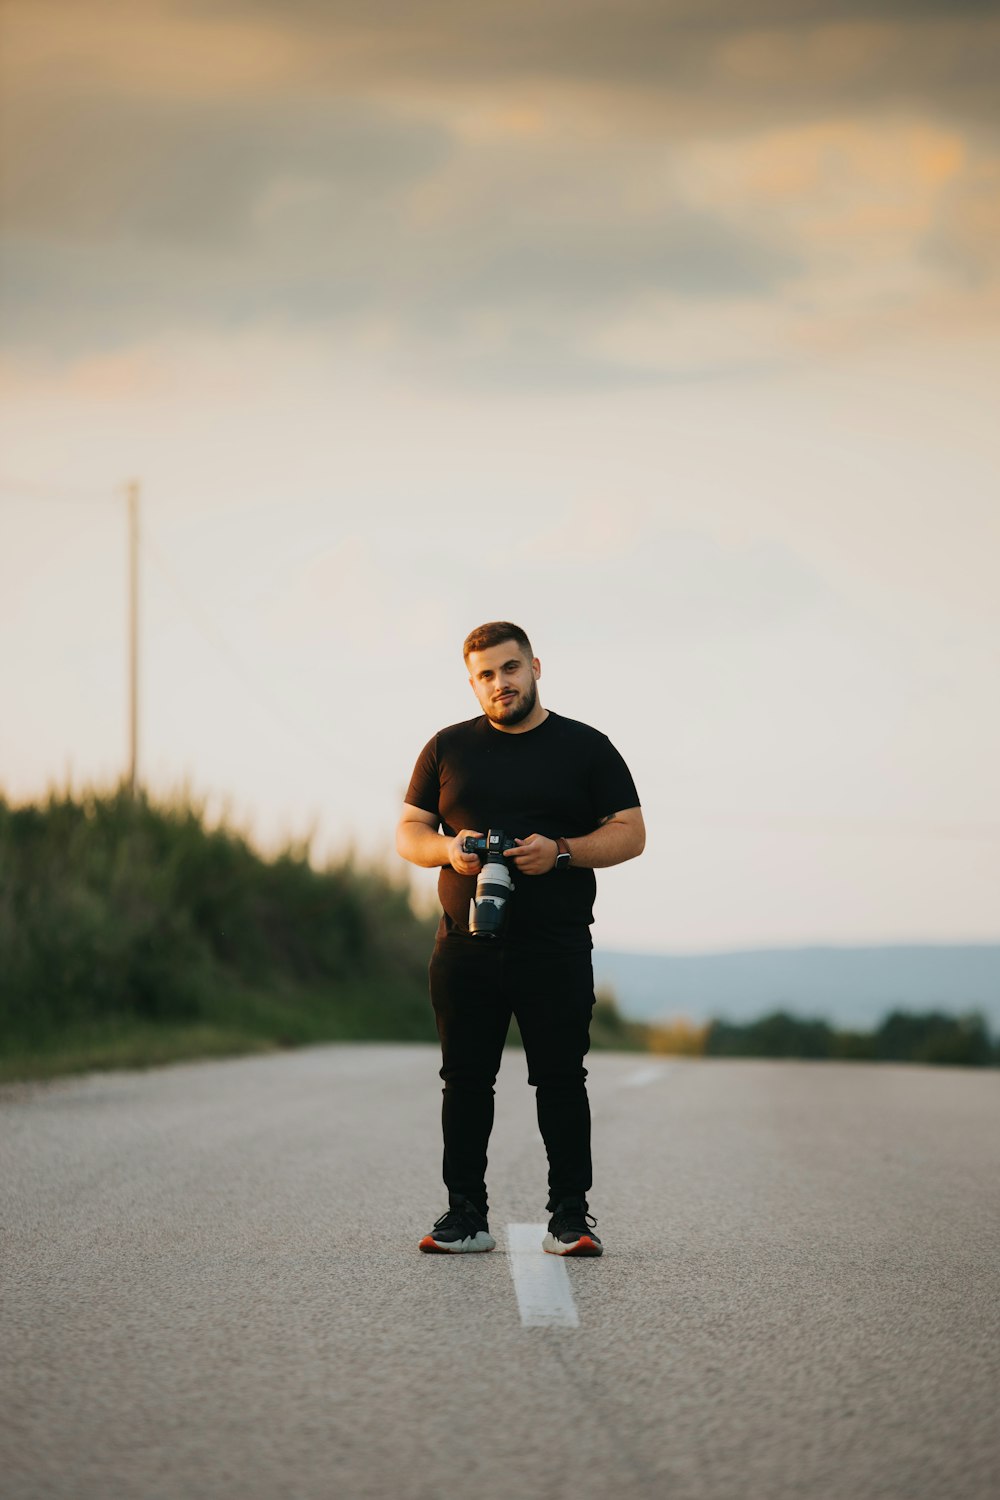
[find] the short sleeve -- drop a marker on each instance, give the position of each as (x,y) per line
(424,790)
(612,788)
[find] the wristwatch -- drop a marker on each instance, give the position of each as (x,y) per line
(563,857)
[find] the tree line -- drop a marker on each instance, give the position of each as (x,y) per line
(902,1036)
(133,932)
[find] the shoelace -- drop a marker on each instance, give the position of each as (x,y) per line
(572,1219)
(457,1218)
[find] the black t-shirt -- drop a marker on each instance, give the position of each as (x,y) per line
(561,778)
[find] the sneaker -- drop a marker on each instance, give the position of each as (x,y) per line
(571,1230)
(462,1229)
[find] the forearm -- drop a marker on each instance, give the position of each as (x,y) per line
(421,845)
(611,844)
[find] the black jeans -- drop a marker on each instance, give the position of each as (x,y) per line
(477,984)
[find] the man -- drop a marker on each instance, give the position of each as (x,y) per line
(563,792)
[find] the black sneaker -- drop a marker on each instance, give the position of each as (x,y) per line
(462,1229)
(571,1230)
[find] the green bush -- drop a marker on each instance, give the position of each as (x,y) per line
(776,1035)
(935,1038)
(610,1030)
(901,1037)
(117,913)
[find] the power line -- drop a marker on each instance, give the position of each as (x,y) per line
(14,488)
(207,627)
(848,826)
(28,490)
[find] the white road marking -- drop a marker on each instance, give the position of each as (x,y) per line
(541,1281)
(651,1073)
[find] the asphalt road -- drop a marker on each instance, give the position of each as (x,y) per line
(210,1287)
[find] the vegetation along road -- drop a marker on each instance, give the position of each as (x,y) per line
(210,1287)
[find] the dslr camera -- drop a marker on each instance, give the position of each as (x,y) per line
(495,885)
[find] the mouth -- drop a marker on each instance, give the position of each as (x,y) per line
(504,698)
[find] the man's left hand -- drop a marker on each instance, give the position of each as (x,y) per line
(535,855)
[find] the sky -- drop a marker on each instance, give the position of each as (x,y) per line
(670,331)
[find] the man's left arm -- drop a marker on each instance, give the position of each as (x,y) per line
(618,837)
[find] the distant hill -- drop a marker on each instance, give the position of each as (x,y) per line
(849,987)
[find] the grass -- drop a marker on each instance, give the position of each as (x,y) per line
(239,1023)
(133,933)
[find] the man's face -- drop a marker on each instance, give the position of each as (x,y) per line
(503,679)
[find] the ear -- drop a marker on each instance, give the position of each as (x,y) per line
(536,667)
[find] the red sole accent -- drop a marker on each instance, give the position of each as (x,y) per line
(583,1246)
(430,1246)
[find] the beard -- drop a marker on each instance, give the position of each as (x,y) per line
(516,712)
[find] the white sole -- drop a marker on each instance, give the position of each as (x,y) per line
(590,1247)
(479,1243)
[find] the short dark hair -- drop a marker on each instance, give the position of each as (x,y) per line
(494,634)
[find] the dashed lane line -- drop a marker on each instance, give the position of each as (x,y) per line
(651,1073)
(541,1282)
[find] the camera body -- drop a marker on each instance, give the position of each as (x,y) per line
(494,886)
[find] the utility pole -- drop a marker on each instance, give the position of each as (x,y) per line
(132,495)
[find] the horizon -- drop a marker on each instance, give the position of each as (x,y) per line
(804,947)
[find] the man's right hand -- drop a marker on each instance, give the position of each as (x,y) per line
(465,864)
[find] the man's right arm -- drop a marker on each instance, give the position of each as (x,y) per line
(418,840)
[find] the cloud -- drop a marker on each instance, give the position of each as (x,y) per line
(550,193)
(355,216)
(780,57)
(140,171)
